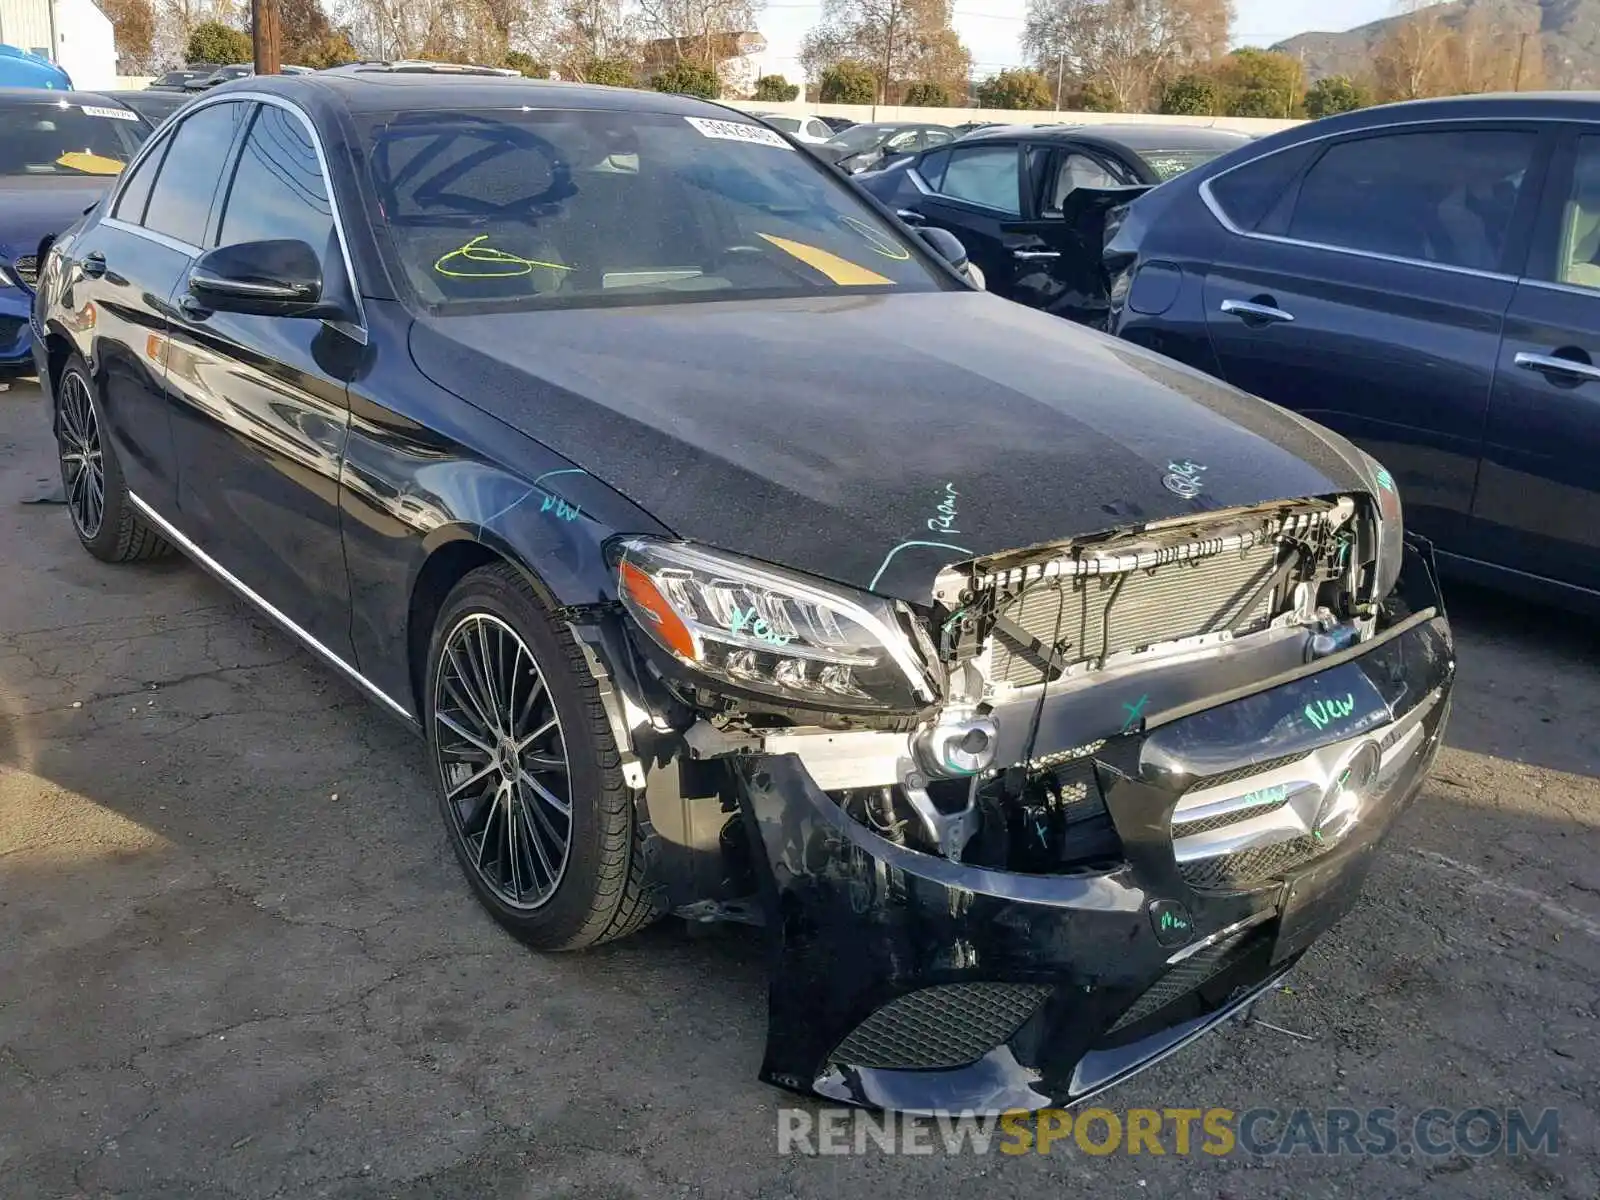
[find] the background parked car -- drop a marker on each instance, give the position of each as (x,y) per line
(58,151)
(864,147)
(810,130)
(154,106)
(176,81)
(1424,278)
(1029,201)
(19,69)
(838,124)
(204,83)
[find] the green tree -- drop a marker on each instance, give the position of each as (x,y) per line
(1089,97)
(527,65)
(214,42)
(691,79)
(776,87)
(1190,96)
(926,94)
(1259,83)
(1335,94)
(1015,89)
(613,72)
(848,82)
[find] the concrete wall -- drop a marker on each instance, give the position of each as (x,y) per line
(132,83)
(959,116)
(85,47)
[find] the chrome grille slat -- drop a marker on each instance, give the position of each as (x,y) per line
(27,268)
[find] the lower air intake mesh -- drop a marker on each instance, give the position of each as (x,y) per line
(1250,867)
(951,1025)
(1098,615)
(1189,974)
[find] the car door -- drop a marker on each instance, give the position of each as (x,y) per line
(129,264)
(1064,274)
(1538,499)
(974,190)
(259,407)
(1369,296)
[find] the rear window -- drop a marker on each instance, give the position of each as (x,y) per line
(61,137)
(562,208)
(1169,164)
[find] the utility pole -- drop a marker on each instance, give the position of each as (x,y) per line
(1061,67)
(1522,50)
(264,33)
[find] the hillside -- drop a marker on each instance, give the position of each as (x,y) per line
(1569,33)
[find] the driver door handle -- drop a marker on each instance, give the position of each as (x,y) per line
(1249,310)
(1549,364)
(1031,254)
(93,264)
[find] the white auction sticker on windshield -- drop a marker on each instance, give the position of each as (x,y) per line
(738,131)
(116,114)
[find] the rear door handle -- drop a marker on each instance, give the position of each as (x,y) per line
(93,264)
(1549,364)
(1251,310)
(908,216)
(1026,255)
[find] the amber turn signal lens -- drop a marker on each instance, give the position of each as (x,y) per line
(665,624)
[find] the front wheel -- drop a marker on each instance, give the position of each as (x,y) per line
(529,779)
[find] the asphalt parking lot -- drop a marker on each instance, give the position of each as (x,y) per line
(237,959)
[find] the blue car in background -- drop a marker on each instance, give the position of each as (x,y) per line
(58,153)
(19,69)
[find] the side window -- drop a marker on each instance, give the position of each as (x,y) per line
(937,137)
(1074,171)
(136,191)
(180,201)
(986,175)
(931,168)
(816,129)
(278,190)
(1443,197)
(1246,194)
(901,142)
(1579,259)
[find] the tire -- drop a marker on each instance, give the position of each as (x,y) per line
(503,830)
(107,524)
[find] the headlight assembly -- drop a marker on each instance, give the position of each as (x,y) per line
(771,632)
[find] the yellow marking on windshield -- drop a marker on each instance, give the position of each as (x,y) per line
(89,164)
(488,263)
(877,241)
(839,270)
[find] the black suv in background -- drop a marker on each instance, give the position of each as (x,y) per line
(1423,278)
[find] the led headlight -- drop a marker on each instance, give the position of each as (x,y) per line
(1391,528)
(771,632)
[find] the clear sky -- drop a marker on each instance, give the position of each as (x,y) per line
(990,27)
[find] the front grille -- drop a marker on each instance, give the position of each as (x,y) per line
(1087,617)
(1245,772)
(950,1025)
(1182,829)
(27,268)
(1248,868)
(1187,976)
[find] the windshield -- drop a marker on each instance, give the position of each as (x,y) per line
(563,208)
(861,137)
(1169,164)
(58,137)
(787,124)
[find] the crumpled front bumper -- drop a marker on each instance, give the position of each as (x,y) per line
(908,981)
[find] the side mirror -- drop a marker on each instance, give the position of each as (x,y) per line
(264,279)
(945,244)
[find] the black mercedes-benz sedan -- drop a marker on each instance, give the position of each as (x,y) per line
(1041,698)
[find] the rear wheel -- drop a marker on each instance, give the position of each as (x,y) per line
(97,498)
(529,779)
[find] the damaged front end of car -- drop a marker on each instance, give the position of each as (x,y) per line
(1016,843)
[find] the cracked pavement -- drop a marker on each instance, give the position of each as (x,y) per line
(237,959)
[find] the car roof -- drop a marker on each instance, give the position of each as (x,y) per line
(36,95)
(1144,136)
(362,88)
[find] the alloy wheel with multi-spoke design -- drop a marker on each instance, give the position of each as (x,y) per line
(82,459)
(502,760)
